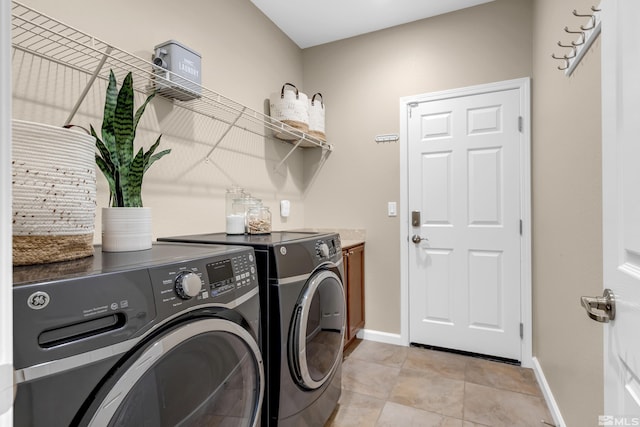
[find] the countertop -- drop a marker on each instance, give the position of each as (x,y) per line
(349,243)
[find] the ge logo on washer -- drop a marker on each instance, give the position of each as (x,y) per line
(283,250)
(38,300)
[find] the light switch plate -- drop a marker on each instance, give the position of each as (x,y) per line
(392,209)
(285,208)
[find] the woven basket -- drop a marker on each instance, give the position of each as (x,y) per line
(291,107)
(54,193)
(316,117)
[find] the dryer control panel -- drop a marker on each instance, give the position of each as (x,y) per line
(300,257)
(328,247)
(209,281)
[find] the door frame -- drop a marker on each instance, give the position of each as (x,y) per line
(6,290)
(523,85)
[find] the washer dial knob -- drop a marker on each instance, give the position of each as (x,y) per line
(323,250)
(188,285)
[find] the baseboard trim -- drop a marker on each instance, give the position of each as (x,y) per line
(548,395)
(378,336)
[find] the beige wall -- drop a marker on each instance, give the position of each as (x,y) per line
(567,249)
(363,79)
(244,56)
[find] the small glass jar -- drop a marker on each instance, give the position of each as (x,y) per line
(235,223)
(259,220)
(233,194)
(250,203)
(235,218)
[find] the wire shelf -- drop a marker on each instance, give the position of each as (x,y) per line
(50,39)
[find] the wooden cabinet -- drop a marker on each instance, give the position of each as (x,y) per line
(353,257)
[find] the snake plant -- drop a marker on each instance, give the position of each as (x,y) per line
(123,170)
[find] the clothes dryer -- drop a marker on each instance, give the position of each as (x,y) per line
(303,320)
(162,337)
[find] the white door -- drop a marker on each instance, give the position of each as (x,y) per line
(621,207)
(6,290)
(464,183)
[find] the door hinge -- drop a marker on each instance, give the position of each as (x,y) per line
(521,227)
(520,123)
(411,106)
(521,330)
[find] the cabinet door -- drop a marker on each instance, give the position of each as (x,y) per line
(354,272)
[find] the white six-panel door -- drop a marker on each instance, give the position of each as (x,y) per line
(6,289)
(621,208)
(464,180)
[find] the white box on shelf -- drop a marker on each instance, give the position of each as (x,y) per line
(178,70)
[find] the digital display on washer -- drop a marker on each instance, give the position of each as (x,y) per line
(220,272)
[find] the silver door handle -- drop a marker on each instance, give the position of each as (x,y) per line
(601,309)
(417,239)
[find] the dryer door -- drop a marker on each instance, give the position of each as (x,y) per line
(208,372)
(316,337)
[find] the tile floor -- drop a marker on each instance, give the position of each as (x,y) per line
(387,385)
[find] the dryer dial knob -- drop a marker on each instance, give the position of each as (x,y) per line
(188,285)
(323,250)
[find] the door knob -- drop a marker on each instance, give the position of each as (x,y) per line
(417,239)
(601,309)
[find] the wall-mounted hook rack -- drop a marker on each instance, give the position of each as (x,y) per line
(587,33)
(387,138)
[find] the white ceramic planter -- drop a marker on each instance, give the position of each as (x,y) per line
(126,229)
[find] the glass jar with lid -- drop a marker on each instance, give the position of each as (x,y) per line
(235,218)
(259,220)
(250,203)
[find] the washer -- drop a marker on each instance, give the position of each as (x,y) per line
(162,337)
(303,320)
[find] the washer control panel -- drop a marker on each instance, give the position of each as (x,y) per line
(188,285)
(75,307)
(218,280)
(328,247)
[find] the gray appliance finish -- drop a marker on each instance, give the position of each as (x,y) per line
(162,337)
(303,320)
